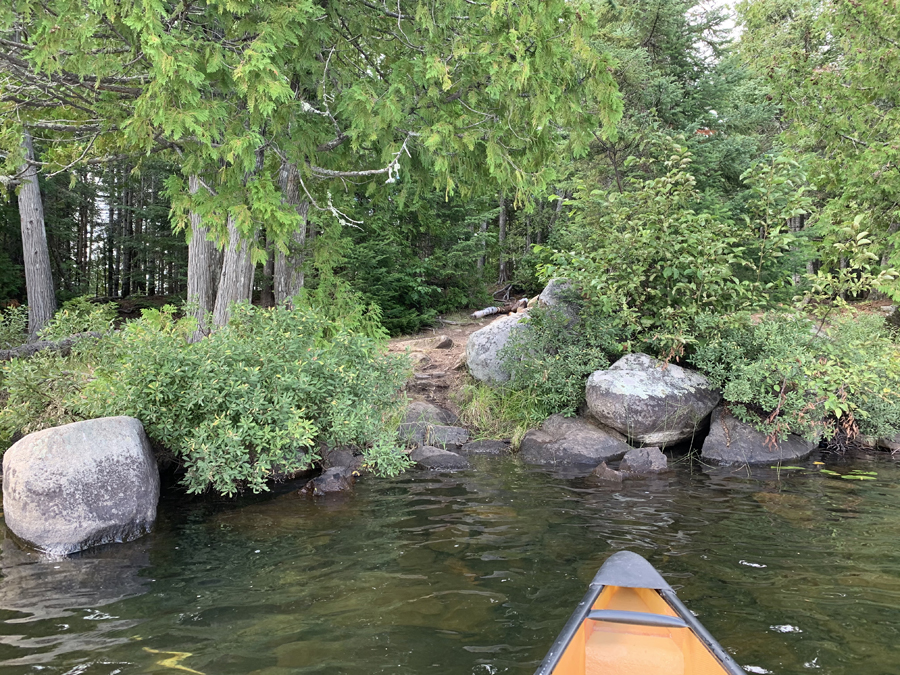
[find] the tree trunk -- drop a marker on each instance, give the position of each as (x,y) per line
(204,267)
(38,277)
(483,230)
(128,236)
(266,289)
(289,275)
(503,277)
(236,276)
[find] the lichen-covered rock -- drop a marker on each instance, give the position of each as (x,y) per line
(731,441)
(649,401)
(488,448)
(484,346)
(429,457)
(557,294)
(643,461)
(72,487)
(565,441)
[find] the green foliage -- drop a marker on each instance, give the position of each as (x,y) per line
(551,359)
(499,412)
(415,259)
(255,398)
(785,377)
(40,390)
(80,315)
(655,257)
(13,326)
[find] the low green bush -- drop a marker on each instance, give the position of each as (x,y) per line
(13,326)
(255,400)
(80,315)
(784,376)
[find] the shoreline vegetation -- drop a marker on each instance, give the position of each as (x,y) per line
(241,206)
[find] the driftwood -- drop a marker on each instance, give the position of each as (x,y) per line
(487,311)
(508,308)
(29,349)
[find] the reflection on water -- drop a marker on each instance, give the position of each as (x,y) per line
(470,573)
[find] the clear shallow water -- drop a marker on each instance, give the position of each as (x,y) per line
(470,573)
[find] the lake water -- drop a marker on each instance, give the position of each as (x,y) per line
(469,573)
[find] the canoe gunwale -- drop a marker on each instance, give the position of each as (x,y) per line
(623,561)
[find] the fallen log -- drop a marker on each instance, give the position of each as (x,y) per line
(29,349)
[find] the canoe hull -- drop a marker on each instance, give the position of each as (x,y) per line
(630,622)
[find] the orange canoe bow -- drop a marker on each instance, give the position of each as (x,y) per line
(632,623)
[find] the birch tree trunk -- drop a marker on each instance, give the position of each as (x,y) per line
(236,277)
(204,267)
(503,277)
(289,275)
(38,277)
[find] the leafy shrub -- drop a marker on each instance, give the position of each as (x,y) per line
(658,255)
(13,326)
(254,398)
(785,377)
(551,359)
(40,390)
(80,315)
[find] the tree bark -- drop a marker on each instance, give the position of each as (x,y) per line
(236,276)
(38,277)
(503,277)
(483,230)
(266,288)
(204,267)
(289,275)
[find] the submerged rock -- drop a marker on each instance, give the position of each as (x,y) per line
(484,346)
(429,457)
(643,461)
(490,448)
(649,401)
(731,441)
(570,440)
(604,473)
(79,485)
(334,479)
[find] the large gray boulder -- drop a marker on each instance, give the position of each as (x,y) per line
(76,486)
(651,402)
(557,296)
(484,346)
(731,441)
(566,441)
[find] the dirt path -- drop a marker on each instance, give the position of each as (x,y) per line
(438,371)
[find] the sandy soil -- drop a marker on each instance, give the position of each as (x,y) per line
(439,372)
